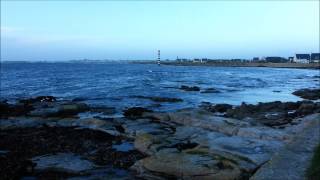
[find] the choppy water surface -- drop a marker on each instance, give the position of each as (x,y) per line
(116,84)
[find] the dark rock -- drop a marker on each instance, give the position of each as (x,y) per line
(7,110)
(210,90)
(273,113)
(26,143)
(38,99)
(119,128)
(190,88)
(4,108)
(222,107)
(216,107)
(13,166)
(306,108)
(45,112)
(160,99)
(184,146)
(60,110)
(310,94)
(135,112)
(274,119)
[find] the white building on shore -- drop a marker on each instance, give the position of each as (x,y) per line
(301,58)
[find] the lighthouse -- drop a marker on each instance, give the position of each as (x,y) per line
(158,58)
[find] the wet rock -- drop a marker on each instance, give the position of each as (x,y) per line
(310,94)
(4,108)
(135,112)
(271,114)
(38,99)
(72,109)
(189,88)
(7,110)
(94,146)
(210,90)
(202,119)
(160,99)
(308,107)
(221,108)
(60,110)
(66,162)
(45,112)
(182,146)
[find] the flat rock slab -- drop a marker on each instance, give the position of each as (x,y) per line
(188,166)
(65,162)
(257,151)
(292,161)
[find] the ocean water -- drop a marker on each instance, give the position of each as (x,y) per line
(116,84)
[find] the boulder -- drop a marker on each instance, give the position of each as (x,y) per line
(310,94)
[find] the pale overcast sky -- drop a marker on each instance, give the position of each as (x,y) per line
(64,30)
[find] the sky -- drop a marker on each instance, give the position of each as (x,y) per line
(135,30)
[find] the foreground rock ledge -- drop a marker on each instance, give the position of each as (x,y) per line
(209,142)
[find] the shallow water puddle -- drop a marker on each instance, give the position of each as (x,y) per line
(123,147)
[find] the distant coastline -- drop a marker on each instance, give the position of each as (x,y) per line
(190,63)
(239,64)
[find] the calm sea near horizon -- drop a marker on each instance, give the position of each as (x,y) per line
(117,84)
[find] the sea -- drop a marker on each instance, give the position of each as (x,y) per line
(117,84)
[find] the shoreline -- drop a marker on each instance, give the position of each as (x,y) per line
(238,64)
(45,137)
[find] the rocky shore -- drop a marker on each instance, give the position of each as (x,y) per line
(44,137)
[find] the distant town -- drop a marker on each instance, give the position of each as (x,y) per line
(297,58)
